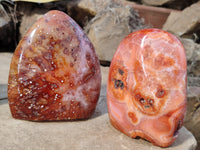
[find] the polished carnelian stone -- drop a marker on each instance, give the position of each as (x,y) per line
(146,91)
(54,73)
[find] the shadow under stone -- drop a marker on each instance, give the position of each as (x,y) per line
(3,91)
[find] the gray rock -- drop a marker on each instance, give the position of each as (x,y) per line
(193,57)
(193,81)
(102,102)
(31,12)
(192,119)
(94,6)
(27,22)
(30,16)
(3,16)
(110,26)
(185,22)
(3,91)
(175,4)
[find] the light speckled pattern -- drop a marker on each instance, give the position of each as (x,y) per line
(54,73)
(147,86)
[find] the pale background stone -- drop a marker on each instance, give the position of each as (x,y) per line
(94,6)
(185,22)
(175,4)
(193,57)
(110,26)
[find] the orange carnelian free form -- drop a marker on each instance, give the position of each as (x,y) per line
(146,91)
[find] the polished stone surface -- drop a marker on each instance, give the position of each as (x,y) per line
(147,86)
(55,72)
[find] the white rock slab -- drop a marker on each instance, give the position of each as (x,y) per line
(93,6)
(184,22)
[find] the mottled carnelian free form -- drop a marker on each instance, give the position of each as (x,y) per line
(147,86)
(54,72)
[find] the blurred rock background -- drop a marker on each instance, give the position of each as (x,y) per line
(107,22)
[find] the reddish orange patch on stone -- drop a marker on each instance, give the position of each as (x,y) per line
(133,117)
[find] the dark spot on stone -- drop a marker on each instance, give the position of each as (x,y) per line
(142,100)
(62,109)
(120,71)
(57,29)
(62,45)
(71,64)
(150,101)
(178,127)
(91,46)
(47,55)
(31,49)
(42,37)
(88,56)
(50,47)
(66,51)
(179,124)
(146,106)
(68,39)
(160,93)
(137,137)
(39,42)
(46,20)
(89,75)
(119,83)
(74,52)
(71,84)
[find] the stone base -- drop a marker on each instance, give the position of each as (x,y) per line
(94,134)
